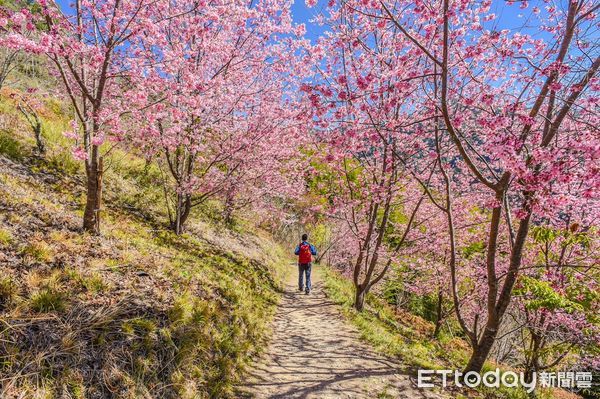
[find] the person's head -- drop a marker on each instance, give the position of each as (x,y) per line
(304,237)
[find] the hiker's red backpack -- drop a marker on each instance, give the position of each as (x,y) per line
(305,255)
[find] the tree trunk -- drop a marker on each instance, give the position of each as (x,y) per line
(532,364)
(529,371)
(228,217)
(228,211)
(39,141)
(177,222)
(439,316)
(482,350)
(91,214)
(182,212)
(359,299)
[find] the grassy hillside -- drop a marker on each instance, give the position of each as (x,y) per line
(137,312)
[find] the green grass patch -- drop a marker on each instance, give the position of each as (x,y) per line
(63,162)
(8,292)
(48,300)
(379,326)
(6,238)
(37,251)
(11,147)
(93,283)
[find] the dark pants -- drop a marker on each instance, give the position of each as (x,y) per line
(304,268)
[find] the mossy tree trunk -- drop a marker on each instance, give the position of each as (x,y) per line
(94,169)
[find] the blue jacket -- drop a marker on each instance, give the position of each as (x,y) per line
(313,250)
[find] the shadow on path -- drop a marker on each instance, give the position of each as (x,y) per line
(315,353)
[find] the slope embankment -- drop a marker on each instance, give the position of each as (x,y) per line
(134,313)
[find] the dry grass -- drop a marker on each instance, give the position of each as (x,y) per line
(134,313)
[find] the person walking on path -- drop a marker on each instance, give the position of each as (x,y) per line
(305,252)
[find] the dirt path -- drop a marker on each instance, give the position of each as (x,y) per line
(315,353)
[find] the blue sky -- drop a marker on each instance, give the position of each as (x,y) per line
(302,14)
(508,16)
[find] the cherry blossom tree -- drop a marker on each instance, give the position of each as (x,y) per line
(558,294)
(412,125)
(89,48)
(221,117)
(269,173)
(517,111)
(362,112)
(8,57)
(505,120)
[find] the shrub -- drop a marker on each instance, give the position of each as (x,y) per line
(48,300)
(8,292)
(64,162)
(38,251)
(93,283)
(11,147)
(142,333)
(5,237)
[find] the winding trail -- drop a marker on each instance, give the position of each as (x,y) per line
(315,353)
